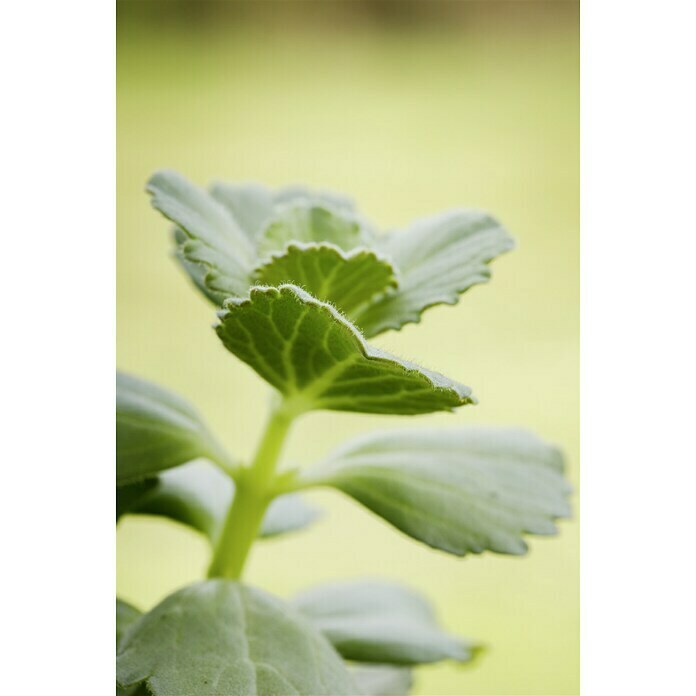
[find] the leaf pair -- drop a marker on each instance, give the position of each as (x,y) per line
(237,236)
(158,435)
(461,491)
(223,638)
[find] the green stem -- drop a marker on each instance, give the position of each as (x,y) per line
(253,493)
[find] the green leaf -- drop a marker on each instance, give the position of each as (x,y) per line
(199,495)
(438,258)
(382,680)
(461,491)
(318,359)
(215,239)
(126,615)
(347,280)
(156,430)
(307,222)
(377,621)
(221,638)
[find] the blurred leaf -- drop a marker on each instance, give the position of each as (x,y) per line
(438,258)
(347,280)
(318,360)
(382,680)
(199,495)
(220,637)
(288,513)
(461,491)
(128,495)
(378,621)
(157,430)
(126,615)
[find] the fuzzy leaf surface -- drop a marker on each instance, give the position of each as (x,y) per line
(222,638)
(461,491)
(438,258)
(314,356)
(348,280)
(156,430)
(214,238)
(198,495)
(382,622)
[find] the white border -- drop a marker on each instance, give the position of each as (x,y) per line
(57,130)
(638,347)
(58,346)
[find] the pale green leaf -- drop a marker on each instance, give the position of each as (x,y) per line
(215,239)
(438,258)
(156,430)
(197,272)
(382,680)
(221,638)
(348,280)
(307,223)
(462,491)
(378,621)
(199,495)
(318,360)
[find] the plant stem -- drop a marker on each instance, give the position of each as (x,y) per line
(253,493)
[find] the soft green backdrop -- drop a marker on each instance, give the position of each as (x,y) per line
(481,111)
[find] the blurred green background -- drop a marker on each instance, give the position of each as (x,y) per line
(410,107)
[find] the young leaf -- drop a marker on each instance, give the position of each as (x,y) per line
(307,222)
(382,680)
(318,359)
(156,430)
(347,280)
(461,491)
(215,238)
(221,638)
(438,258)
(382,622)
(198,495)
(254,206)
